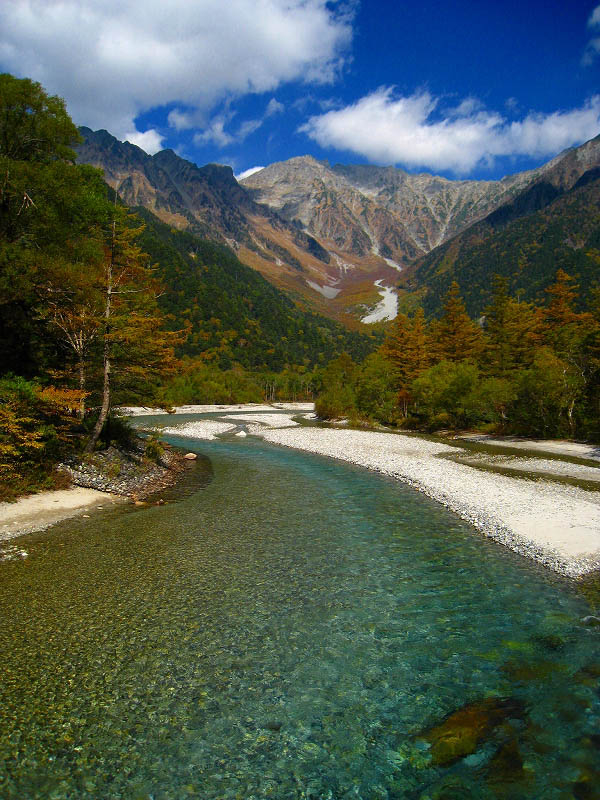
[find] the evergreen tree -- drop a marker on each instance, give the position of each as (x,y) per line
(455,337)
(133,338)
(513,331)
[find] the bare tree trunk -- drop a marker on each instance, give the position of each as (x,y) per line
(89,448)
(570,418)
(81,409)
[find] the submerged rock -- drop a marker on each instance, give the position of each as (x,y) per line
(506,773)
(464,730)
(591,621)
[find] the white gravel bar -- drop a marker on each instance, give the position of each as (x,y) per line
(560,447)
(566,469)
(144,411)
(555,524)
(201,429)
(270,420)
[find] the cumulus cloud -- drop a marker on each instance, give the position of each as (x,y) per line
(214,131)
(115,59)
(150,141)
(417,132)
(592,49)
(247,172)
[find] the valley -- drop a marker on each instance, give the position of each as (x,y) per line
(336,238)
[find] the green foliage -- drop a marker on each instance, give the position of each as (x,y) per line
(547,396)
(33,125)
(374,390)
(448,388)
(200,383)
(154,448)
(337,398)
(77,296)
(118,432)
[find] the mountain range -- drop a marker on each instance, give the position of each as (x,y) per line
(340,239)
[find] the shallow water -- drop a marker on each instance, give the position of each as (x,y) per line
(293,628)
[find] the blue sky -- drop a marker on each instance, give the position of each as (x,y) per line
(464,89)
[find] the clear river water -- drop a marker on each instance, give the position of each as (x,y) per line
(291,627)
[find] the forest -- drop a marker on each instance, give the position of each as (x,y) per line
(521,368)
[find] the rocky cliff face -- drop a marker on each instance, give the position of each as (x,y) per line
(333,237)
(381,210)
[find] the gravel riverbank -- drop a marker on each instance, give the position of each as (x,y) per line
(126,473)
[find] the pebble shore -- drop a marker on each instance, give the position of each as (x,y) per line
(556,525)
(128,474)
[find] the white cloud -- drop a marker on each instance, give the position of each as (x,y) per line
(414,131)
(247,172)
(274,107)
(215,132)
(592,49)
(180,120)
(114,59)
(591,52)
(150,141)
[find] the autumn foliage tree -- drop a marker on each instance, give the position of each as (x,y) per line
(78,298)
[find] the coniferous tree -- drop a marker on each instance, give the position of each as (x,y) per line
(513,331)
(455,337)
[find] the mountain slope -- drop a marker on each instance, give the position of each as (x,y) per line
(528,249)
(209,202)
(336,239)
(380,210)
(233,314)
(389,212)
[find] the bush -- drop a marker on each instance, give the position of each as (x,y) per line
(154,448)
(336,403)
(36,431)
(117,431)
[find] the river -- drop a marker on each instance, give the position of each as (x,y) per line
(291,627)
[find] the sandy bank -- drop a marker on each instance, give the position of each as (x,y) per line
(555,524)
(39,511)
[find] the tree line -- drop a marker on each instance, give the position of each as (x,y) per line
(100,306)
(80,322)
(522,368)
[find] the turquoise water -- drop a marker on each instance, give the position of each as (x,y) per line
(294,627)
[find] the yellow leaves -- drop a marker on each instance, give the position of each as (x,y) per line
(63,400)
(16,439)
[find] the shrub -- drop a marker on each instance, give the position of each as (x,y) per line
(117,431)
(154,448)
